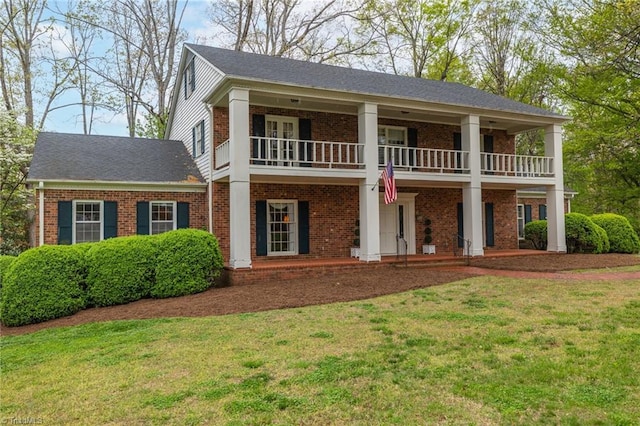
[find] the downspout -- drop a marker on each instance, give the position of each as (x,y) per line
(210,195)
(41,213)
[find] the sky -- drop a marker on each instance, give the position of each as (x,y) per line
(67,120)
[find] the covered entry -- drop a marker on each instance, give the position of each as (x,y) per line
(397,221)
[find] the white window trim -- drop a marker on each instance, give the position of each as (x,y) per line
(281,119)
(73,213)
(200,143)
(296,241)
(188,73)
(518,219)
(386,133)
(175,214)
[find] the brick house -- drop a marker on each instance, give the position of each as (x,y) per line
(282,158)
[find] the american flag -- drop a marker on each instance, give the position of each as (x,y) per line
(390,191)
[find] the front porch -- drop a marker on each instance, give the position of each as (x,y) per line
(273,269)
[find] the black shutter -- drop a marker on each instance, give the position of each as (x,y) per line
(527,213)
(110,219)
(142,218)
(193,143)
(305,150)
(412,141)
(65,222)
(542,212)
(303,227)
(259,145)
(460,225)
(261,228)
(457,146)
(489,227)
(184,83)
(183,215)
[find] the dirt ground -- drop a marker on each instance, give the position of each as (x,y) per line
(313,291)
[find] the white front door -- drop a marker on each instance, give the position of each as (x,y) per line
(397,220)
(388,228)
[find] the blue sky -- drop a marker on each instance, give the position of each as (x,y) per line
(67,120)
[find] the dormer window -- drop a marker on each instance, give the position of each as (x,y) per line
(189,78)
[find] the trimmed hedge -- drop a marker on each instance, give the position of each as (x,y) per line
(536,233)
(42,284)
(188,262)
(584,236)
(622,236)
(5,262)
(121,270)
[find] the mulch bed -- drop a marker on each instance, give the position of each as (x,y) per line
(363,284)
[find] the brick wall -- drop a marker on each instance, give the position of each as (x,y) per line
(333,211)
(127,200)
(327,126)
(535,204)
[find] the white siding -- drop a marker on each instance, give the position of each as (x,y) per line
(189,112)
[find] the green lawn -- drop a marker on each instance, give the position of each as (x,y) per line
(481,351)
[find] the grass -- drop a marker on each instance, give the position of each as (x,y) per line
(481,351)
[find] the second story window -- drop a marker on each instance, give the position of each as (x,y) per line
(189,78)
(198,139)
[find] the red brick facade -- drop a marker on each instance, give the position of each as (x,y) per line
(333,211)
(127,200)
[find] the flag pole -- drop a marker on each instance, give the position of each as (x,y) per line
(377,181)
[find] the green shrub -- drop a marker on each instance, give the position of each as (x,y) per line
(188,262)
(536,233)
(42,284)
(584,236)
(622,236)
(5,261)
(121,270)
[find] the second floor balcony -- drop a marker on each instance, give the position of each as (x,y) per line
(411,163)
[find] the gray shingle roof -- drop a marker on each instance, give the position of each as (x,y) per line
(308,74)
(64,156)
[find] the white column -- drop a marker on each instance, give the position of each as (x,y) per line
(369,207)
(472,191)
(41,214)
(239,194)
(555,193)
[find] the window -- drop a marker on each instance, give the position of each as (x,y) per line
(394,138)
(521,221)
(198,139)
(282,227)
(87,226)
(163,216)
(189,78)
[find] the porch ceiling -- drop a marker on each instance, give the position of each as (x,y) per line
(410,110)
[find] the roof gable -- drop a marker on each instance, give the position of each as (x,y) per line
(75,157)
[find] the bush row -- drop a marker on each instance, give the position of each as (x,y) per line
(54,281)
(602,233)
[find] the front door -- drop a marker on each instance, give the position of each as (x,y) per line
(388,228)
(397,220)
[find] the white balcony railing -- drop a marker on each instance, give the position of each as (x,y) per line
(278,152)
(516,165)
(303,153)
(222,154)
(424,159)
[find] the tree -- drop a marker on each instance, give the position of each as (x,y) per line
(16,149)
(420,38)
(600,82)
(287,28)
(140,66)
